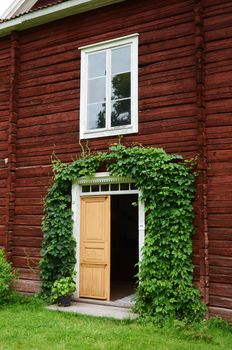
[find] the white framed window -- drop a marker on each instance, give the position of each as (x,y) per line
(109,88)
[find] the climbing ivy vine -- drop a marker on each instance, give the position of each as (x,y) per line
(165,287)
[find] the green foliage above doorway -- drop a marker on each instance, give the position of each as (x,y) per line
(165,287)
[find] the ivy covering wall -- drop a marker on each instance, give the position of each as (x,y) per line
(165,287)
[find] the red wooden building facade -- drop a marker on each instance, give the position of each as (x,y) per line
(184,106)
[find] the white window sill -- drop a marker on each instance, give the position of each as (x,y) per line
(107,133)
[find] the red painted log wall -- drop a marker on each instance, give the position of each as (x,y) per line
(218,83)
(5,66)
(184,107)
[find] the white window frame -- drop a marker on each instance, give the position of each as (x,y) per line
(131,40)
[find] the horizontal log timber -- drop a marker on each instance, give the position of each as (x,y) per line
(28,274)
(220,301)
(221,312)
(27,286)
(27,231)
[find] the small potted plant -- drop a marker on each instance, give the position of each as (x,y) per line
(62,291)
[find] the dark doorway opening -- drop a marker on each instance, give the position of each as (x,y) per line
(124,245)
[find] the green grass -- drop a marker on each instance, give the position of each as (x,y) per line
(28,325)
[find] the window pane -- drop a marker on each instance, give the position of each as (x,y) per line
(97,90)
(121,112)
(95,188)
(85,188)
(114,187)
(133,186)
(97,64)
(121,60)
(124,187)
(96,116)
(105,187)
(121,86)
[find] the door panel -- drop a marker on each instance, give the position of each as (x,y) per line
(93,282)
(95,247)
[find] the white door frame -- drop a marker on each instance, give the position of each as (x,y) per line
(102,178)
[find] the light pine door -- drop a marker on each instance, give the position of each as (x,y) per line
(95,247)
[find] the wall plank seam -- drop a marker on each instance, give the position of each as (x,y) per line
(202,224)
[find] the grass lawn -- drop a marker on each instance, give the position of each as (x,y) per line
(31,326)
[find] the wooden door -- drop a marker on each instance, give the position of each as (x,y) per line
(95,247)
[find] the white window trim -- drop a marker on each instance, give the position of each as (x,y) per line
(76,207)
(117,130)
